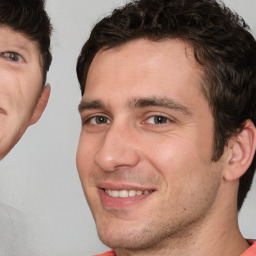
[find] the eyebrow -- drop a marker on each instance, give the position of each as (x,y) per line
(158,102)
(87,105)
(138,103)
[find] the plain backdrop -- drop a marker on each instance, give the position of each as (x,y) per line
(39,176)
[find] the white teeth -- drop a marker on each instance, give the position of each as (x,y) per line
(125,193)
(138,193)
(115,193)
(132,193)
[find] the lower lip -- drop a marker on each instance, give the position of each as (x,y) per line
(120,202)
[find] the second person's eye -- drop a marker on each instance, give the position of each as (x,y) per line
(99,120)
(158,120)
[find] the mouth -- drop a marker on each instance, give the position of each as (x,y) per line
(126,193)
(122,197)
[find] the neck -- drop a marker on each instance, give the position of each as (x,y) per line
(215,234)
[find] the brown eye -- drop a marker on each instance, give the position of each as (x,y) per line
(98,120)
(158,120)
(101,120)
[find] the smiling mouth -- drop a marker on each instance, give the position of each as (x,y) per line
(126,193)
(123,198)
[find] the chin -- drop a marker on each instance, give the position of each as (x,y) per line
(126,237)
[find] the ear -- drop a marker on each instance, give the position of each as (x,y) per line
(241,152)
(41,105)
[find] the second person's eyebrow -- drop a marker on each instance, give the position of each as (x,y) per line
(138,103)
(158,102)
(90,104)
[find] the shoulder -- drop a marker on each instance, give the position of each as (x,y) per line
(13,231)
(251,251)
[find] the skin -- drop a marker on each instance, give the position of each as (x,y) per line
(147,126)
(22,96)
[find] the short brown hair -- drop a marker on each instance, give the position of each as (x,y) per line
(30,18)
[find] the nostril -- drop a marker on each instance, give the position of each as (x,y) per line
(116,149)
(115,159)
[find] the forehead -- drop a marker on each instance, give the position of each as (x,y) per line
(144,67)
(11,37)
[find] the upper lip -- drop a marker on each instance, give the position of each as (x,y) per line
(123,186)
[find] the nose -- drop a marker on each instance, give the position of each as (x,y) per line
(118,149)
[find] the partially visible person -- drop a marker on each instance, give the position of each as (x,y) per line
(167,147)
(25,58)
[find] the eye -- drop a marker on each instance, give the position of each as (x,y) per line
(158,120)
(12,56)
(98,120)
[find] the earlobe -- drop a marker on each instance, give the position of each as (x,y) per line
(241,152)
(41,105)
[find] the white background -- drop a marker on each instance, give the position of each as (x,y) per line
(39,176)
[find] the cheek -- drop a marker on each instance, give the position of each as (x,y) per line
(31,89)
(85,167)
(187,171)
(181,162)
(21,95)
(85,157)
(10,132)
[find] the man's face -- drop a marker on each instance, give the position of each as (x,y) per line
(144,156)
(20,85)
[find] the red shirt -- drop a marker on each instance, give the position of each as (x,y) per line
(111,253)
(251,251)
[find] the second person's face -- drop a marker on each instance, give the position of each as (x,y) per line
(20,85)
(144,156)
